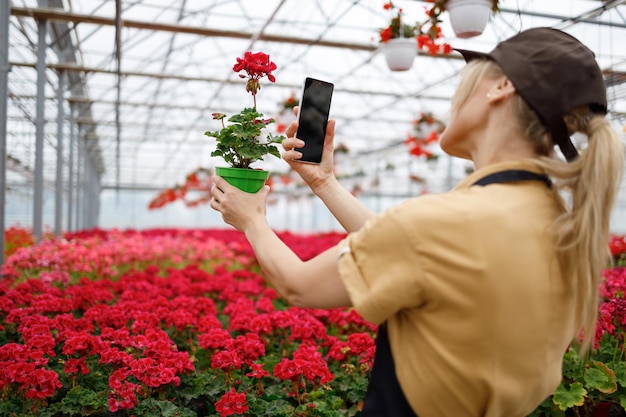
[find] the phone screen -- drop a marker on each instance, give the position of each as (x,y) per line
(313,117)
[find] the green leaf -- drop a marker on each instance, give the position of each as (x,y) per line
(572,367)
(154,408)
(600,377)
(620,373)
(238,143)
(9,408)
(84,400)
(568,398)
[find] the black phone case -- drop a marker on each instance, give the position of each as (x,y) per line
(313,114)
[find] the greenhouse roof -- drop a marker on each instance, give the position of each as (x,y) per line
(144,76)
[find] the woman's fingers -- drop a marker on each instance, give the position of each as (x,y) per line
(291,143)
(291,129)
(238,208)
(215,191)
(289,146)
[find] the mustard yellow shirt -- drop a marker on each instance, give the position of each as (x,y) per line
(479,314)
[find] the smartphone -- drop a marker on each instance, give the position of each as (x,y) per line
(312,118)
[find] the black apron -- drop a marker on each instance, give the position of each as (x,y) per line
(384,397)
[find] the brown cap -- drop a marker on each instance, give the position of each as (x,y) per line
(554,73)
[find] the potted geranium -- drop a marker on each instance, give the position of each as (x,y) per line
(243,141)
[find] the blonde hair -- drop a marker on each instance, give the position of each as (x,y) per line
(582,231)
(591,182)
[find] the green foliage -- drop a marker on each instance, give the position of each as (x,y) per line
(153,408)
(588,381)
(600,377)
(88,401)
(240,144)
(569,397)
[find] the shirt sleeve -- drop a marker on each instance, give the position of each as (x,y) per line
(381,269)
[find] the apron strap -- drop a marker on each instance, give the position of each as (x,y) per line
(513,175)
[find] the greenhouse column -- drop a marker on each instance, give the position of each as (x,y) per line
(87,191)
(80,175)
(93,196)
(4,81)
(58,195)
(70,174)
(39,132)
(87,185)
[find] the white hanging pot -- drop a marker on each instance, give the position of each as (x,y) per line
(399,53)
(469,17)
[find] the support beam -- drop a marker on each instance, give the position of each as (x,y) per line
(65,16)
(4,86)
(126,74)
(58,195)
(80,178)
(70,174)
(39,132)
(61,15)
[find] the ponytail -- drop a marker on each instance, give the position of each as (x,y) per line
(582,231)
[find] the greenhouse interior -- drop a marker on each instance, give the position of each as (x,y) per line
(105,112)
(108,106)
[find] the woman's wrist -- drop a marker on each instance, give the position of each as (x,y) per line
(326,187)
(255,229)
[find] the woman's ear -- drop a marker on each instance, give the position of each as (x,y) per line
(501,89)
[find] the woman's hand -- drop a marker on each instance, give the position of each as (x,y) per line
(315,175)
(238,208)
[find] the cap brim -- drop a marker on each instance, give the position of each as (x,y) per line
(470,55)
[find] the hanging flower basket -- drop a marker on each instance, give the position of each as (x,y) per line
(399,53)
(469,17)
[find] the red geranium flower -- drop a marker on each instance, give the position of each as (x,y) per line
(256,65)
(232,403)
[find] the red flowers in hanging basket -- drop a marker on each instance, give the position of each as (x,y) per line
(198,182)
(427,33)
(427,129)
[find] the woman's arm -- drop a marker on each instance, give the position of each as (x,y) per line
(315,283)
(347,209)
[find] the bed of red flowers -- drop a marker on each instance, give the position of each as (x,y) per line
(170,323)
(181,323)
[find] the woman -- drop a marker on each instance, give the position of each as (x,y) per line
(478,291)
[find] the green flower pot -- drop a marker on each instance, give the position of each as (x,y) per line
(246,179)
